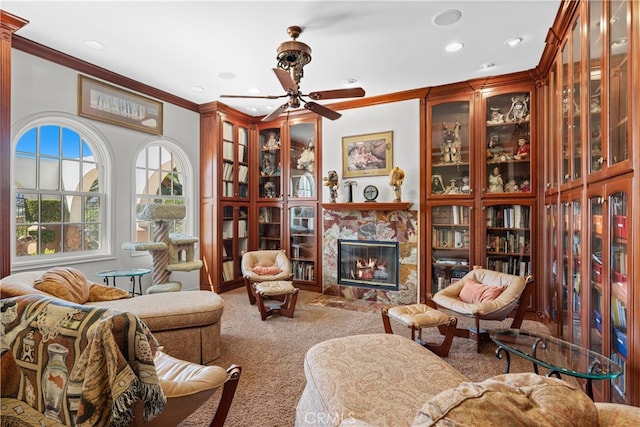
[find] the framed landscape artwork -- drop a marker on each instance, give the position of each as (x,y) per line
(101,101)
(367,155)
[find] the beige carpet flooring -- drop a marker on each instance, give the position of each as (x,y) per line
(271,354)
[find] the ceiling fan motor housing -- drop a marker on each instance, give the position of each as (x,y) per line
(294,55)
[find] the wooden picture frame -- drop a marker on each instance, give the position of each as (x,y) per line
(110,104)
(367,155)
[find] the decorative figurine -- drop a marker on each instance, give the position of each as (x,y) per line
(437,187)
(452,188)
(331,181)
(525,186)
(448,137)
(519,111)
(456,149)
(396,178)
(269,190)
(523,149)
(307,157)
(465,188)
(272,142)
(496,116)
(511,186)
(267,165)
(495,182)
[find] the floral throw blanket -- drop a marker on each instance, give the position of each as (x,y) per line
(76,364)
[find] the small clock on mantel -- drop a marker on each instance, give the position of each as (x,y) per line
(370,193)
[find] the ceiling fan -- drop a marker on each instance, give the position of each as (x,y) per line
(292,57)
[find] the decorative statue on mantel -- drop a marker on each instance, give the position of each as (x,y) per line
(396,178)
(331,181)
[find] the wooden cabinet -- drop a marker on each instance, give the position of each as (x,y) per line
(592,215)
(225,185)
(479,149)
(287,195)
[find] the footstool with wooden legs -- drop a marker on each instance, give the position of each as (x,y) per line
(278,296)
(419,316)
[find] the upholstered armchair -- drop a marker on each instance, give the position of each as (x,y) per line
(486,295)
(267,277)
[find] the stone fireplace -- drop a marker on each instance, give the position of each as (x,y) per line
(397,228)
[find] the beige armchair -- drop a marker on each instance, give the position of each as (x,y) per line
(267,277)
(515,295)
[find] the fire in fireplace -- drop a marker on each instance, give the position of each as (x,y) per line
(368,263)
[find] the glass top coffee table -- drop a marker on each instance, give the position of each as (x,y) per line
(559,356)
(131,273)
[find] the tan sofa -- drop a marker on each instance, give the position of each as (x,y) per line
(388,380)
(186,324)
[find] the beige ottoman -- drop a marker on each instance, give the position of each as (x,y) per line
(419,316)
(278,296)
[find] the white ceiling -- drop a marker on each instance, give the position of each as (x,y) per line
(388,46)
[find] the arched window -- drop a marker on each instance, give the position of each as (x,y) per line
(161,177)
(60,191)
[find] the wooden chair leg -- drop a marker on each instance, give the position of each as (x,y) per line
(228,392)
(289,305)
(449,331)
(264,313)
(250,291)
(385,321)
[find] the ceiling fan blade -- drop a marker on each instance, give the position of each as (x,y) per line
(275,113)
(285,80)
(355,92)
(253,96)
(322,110)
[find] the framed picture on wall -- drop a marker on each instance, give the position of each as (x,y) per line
(101,101)
(367,155)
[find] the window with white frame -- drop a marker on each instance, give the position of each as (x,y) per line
(160,178)
(60,199)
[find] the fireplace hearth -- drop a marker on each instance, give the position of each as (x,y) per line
(368,263)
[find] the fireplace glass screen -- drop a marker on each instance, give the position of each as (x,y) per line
(368,263)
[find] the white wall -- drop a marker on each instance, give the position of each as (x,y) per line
(403,118)
(40,87)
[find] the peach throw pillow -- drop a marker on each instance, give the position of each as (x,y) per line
(266,271)
(99,292)
(474,292)
(65,283)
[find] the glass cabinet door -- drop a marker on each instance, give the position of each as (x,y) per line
(596,272)
(551,297)
(564,270)
(235,168)
(235,240)
(302,232)
(619,127)
(576,146)
(450,244)
(508,245)
(302,170)
(596,157)
(450,148)
(507,141)
(619,256)
(270,164)
(576,270)
(269,227)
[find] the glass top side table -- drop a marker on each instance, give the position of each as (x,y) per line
(131,273)
(555,354)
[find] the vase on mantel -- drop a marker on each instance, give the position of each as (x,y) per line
(54,380)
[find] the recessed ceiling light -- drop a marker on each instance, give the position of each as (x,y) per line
(447,17)
(349,82)
(227,75)
(487,65)
(514,41)
(254,90)
(93,44)
(253,109)
(197,88)
(454,47)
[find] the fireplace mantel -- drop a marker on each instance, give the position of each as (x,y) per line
(367,206)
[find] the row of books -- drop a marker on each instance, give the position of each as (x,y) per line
(228,190)
(227,271)
(227,229)
(303,270)
(227,172)
(618,313)
(619,383)
(455,214)
(513,216)
(510,266)
(508,243)
(227,152)
(444,238)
